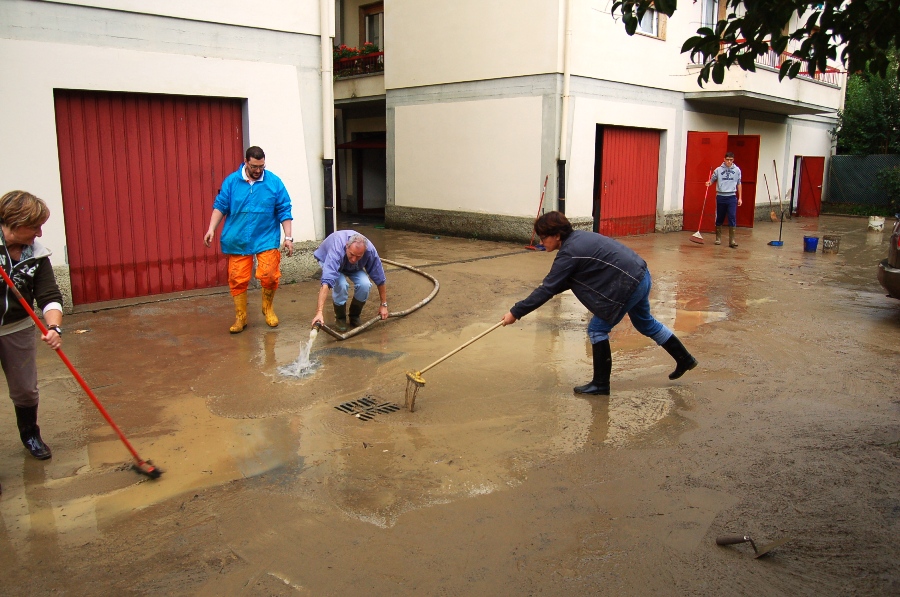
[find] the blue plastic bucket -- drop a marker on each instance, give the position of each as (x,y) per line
(810,244)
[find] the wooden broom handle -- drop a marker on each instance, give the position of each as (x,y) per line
(453,352)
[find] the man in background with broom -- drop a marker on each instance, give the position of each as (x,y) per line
(728,197)
(610,280)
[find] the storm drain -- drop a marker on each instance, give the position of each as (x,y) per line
(367,408)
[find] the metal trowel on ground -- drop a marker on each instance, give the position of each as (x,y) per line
(760,552)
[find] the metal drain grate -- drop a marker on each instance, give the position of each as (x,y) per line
(367,408)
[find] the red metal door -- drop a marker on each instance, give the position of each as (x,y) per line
(809,201)
(626,198)
(139,174)
(746,155)
(705,151)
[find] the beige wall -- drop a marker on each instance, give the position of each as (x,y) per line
(34,69)
(296,16)
(483,156)
(772,144)
(469,40)
(602,50)
(590,112)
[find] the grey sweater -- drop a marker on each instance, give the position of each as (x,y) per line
(727,179)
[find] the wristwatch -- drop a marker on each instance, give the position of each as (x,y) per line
(290,238)
(384,304)
(55,328)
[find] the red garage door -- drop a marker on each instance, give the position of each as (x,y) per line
(139,174)
(627,180)
(705,151)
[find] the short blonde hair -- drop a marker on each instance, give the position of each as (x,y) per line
(20,209)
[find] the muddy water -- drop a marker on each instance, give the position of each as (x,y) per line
(502,480)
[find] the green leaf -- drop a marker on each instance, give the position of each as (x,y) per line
(718,73)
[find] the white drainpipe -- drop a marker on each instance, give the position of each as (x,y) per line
(564,124)
(325,26)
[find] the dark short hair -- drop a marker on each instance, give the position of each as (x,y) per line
(22,209)
(256,153)
(729,154)
(551,223)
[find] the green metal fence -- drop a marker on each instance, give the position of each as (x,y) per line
(852,180)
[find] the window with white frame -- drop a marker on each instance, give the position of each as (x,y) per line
(653,24)
(649,25)
(710,13)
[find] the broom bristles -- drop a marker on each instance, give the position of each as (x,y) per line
(412,388)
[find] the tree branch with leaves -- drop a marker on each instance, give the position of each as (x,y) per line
(862,32)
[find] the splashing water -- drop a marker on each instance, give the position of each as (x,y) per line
(302,367)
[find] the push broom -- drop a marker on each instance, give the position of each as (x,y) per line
(142,466)
(414,380)
(531,246)
(697,237)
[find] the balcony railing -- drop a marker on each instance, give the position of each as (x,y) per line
(774,60)
(367,64)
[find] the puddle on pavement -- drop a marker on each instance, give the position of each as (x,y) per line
(483,419)
(205,451)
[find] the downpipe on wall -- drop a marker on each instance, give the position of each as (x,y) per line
(326,22)
(564,117)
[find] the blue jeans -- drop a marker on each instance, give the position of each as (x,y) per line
(726,206)
(341,290)
(638,309)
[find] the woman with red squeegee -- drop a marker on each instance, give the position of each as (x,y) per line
(27,262)
(610,280)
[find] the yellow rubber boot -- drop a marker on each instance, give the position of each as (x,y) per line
(268,297)
(240,313)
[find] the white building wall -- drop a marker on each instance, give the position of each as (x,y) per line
(469,40)
(295,16)
(34,69)
(68,45)
(810,138)
(772,146)
(482,156)
(589,112)
(602,50)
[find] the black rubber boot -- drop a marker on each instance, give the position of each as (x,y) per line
(599,385)
(340,317)
(356,308)
(684,362)
(30,433)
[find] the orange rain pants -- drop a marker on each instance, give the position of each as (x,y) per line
(268,271)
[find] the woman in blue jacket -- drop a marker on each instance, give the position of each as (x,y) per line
(610,280)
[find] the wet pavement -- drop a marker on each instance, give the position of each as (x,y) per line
(502,481)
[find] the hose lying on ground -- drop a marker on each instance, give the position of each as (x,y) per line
(420,304)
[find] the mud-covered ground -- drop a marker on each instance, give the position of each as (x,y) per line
(502,482)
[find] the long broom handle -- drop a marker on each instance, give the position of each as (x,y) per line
(705,195)
(451,353)
(540,205)
(71,367)
(777,184)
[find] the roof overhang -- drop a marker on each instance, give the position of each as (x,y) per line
(748,100)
